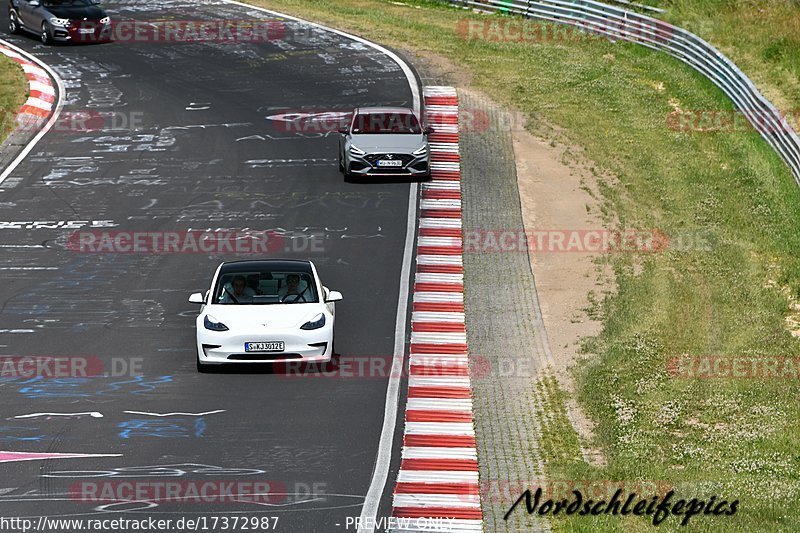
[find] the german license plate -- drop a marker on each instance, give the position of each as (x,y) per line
(390,163)
(86,30)
(274,346)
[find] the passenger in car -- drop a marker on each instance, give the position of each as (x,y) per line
(293,291)
(237,291)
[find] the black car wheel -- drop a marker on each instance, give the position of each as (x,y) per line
(47,34)
(13,23)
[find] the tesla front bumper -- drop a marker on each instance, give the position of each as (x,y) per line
(217,347)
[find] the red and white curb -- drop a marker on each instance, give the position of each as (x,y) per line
(40,110)
(42,91)
(437,485)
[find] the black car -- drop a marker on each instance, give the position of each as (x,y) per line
(79,21)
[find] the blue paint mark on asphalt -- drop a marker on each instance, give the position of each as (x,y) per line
(18,434)
(39,387)
(172,428)
(146,386)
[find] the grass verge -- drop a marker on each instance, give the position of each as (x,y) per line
(727,291)
(13,91)
(761,36)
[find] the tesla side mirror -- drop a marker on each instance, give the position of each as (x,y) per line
(344,131)
(428,130)
(196,298)
(334,296)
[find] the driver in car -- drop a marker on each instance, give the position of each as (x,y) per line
(237,291)
(292,292)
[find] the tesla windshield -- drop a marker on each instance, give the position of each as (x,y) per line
(265,287)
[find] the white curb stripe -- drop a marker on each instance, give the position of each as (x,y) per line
(439,90)
(453,242)
(459,382)
(431,222)
(451,360)
(420,452)
(442,185)
(434,297)
(439,203)
(451,166)
(437,316)
(442,109)
(438,338)
(30,68)
(437,500)
(41,87)
(436,476)
(430,259)
(435,524)
(39,103)
(435,404)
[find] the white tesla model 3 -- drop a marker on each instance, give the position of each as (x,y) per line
(265,312)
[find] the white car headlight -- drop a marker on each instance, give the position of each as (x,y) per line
(315,323)
(213,324)
(59,22)
(422,150)
(105,20)
(355,150)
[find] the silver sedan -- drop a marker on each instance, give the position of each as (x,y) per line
(384,141)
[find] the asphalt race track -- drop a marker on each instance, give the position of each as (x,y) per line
(203,155)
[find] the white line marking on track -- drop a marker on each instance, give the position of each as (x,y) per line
(28,268)
(175,414)
(93,414)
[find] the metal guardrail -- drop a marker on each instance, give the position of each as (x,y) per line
(619,23)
